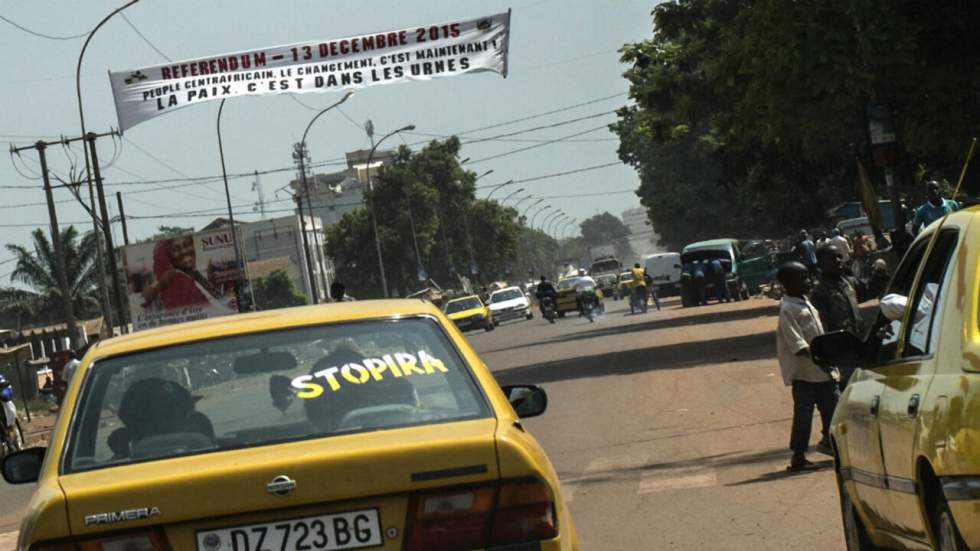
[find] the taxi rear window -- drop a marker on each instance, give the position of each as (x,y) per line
(263,388)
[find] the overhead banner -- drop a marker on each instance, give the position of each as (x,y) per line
(417,53)
(184,278)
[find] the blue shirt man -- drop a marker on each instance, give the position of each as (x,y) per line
(807,251)
(933,209)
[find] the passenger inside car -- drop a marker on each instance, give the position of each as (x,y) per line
(154,410)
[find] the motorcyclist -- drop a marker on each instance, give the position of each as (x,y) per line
(639,282)
(651,288)
(545,289)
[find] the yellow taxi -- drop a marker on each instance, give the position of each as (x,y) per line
(469,312)
(358,425)
(906,433)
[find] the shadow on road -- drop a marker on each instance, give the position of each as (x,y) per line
(784,474)
(669,356)
(721,316)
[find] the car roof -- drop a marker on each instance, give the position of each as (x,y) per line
(711,244)
(506,289)
(268,320)
(458,299)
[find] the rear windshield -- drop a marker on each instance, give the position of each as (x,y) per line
(259,389)
(505,295)
(462,305)
(605,266)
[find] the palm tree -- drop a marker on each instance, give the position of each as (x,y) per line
(39,299)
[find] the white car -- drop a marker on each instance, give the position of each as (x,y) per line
(509,303)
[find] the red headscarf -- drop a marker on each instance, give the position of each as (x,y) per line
(181,291)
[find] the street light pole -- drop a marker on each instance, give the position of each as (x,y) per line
(523,215)
(548,219)
(231,214)
(507,183)
(374,218)
(106,306)
(487,173)
(521,200)
(553,225)
(318,253)
(504,200)
(535,215)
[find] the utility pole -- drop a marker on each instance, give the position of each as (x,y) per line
(306,247)
(257,188)
(59,254)
(122,218)
(107,232)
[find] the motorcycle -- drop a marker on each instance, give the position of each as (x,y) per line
(589,303)
(11,434)
(548,310)
(638,299)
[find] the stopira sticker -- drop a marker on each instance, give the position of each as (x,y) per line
(366,371)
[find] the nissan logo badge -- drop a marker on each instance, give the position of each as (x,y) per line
(281,485)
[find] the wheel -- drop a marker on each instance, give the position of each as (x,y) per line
(489,326)
(745,294)
(855,535)
(561,314)
(948,536)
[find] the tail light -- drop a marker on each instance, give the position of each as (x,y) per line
(482,516)
(148,540)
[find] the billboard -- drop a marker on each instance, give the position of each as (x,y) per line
(184,278)
(421,52)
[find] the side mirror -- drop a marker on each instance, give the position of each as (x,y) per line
(23,466)
(527,400)
(840,349)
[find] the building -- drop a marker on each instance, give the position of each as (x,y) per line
(643,239)
(334,194)
(278,243)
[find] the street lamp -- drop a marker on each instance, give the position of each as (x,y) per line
(529,207)
(318,253)
(535,215)
(521,200)
(484,174)
(374,218)
(553,225)
(507,183)
(548,219)
(571,224)
(504,200)
(106,306)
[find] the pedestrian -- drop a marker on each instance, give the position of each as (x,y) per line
(935,207)
(861,249)
(839,240)
(718,277)
(338,292)
(651,288)
(806,251)
(699,283)
(70,366)
(799,324)
(836,297)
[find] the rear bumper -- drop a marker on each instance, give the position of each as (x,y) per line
(505,315)
(468,324)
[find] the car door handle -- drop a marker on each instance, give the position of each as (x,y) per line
(914,406)
(875,404)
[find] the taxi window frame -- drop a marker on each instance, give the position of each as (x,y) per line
(488,411)
(939,299)
(906,267)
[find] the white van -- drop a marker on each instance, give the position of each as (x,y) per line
(665,269)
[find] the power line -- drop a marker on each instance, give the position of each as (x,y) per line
(557,174)
(42,35)
(535,146)
(145,39)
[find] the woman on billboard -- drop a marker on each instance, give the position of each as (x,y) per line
(178,281)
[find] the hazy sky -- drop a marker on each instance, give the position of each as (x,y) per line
(562,53)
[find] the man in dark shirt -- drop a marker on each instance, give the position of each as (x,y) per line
(836,296)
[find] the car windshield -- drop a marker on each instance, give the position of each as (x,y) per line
(463,305)
(568,283)
(505,295)
(259,389)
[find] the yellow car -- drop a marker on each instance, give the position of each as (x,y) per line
(469,313)
(367,424)
(906,432)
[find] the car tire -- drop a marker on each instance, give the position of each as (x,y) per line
(855,534)
(530,315)
(948,536)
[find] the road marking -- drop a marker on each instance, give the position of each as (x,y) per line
(667,483)
(614,463)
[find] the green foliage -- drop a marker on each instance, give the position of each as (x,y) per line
(749,114)
(276,290)
(606,229)
(432,192)
(39,300)
(163,232)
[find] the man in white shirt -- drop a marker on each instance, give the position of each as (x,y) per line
(799,323)
(70,366)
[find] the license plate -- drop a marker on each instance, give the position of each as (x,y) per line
(347,530)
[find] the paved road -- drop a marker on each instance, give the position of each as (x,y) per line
(670,429)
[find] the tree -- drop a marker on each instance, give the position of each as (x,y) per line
(429,191)
(276,290)
(164,232)
(40,300)
(606,229)
(755,110)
